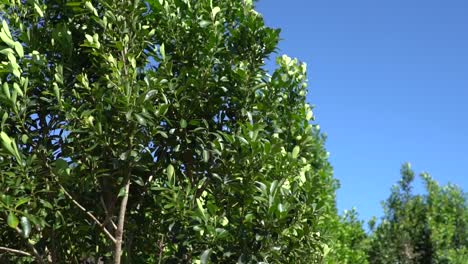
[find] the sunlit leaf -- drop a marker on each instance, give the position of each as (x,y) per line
(12,220)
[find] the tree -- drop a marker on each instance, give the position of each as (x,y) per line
(150,132)
(447,220)
(349,239)
(428,228)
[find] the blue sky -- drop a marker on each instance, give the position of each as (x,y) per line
(389,81)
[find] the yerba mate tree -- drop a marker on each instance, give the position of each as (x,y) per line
(431,227)
(150,132)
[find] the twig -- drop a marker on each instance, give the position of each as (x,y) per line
(88,213)
(161,248)
(15,251)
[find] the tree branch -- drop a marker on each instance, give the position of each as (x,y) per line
(89,214)
(15,251)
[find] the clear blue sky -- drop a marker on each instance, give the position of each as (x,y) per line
(389,80)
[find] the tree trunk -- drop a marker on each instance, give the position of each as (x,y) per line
(120,225)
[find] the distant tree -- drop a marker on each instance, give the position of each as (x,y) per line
(349,240)
(150,132)
(429,228)
(448,221)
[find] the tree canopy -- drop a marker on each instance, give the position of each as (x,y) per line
(150,132)
(421,228)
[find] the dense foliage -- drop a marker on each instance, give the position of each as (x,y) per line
(149,132)
(430,228)
(423,228)
(350,241)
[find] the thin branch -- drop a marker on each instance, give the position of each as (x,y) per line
(161,249)
(15,251)
(88,213)
(82,208)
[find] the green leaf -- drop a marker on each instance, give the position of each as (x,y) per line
(5,38)
(243,140)
(74,4)
(204,23)
(162,51)
(38,10)
(224,221)
(12,220)
(121,192)
(150,94)
(19,49)
(18,89)
(59,74)
(6,51)
(61,164)
(326,250)
(162,110)
(6,29)
(89,38)
(183,123)
(295,152)
(163,134)
(170,172)
(16,72)
(206,155)
(6,90)
(91,8)
(22,201)
(132,62)
(205,256)
(14,95)
(267,147)
(12,59)
(4,119)
(281,207)
(7,143)
(140,119)
(249,218)
(57,93)
(200,207)
(309,115)
(273,186)
(215,11)
(25,227)
(96,42)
